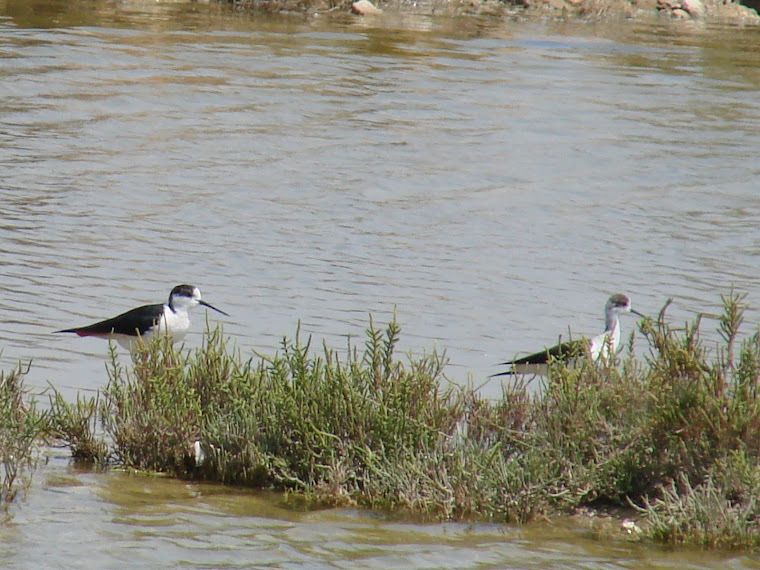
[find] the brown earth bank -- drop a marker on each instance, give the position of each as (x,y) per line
(697,14)
(708,11)
(705,11)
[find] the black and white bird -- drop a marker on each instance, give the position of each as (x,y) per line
(171,317)
(600,346)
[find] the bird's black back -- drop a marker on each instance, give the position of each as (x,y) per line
(131,323)
(563,351)
(566,351)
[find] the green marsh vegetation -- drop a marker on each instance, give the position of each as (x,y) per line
(672,437)
(22,427)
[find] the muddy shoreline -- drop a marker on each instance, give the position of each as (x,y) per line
(701,11)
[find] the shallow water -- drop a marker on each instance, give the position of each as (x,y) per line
(102,521)
(491,182)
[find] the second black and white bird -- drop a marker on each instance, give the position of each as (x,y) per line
(600,346)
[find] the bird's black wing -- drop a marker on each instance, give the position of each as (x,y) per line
(562,351)
(135,321)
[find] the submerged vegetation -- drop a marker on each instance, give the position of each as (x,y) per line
(21,427)
(672,438)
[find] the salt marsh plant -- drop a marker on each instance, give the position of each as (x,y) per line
(674,434)
(75,425)
(21,428)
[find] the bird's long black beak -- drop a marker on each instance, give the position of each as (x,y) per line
(635,312)
(205,304)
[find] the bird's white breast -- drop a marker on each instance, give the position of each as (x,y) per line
(176,323)
(605,344)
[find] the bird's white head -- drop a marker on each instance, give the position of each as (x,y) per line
(608,341)
(620,304)
(185,297)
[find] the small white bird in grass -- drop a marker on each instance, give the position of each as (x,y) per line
(172,317)
(599,346)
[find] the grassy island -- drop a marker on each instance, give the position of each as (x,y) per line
(670,439)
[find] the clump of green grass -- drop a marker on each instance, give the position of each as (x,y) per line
(675,435)
(720,512)
(75,425)
(704,464)
(21,427)
(293,421)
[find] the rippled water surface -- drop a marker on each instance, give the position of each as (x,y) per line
(491,182)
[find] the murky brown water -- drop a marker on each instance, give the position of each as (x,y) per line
(492,182)
(76,519)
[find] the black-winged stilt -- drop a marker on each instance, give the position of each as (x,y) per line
(601,345)
(171,317)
